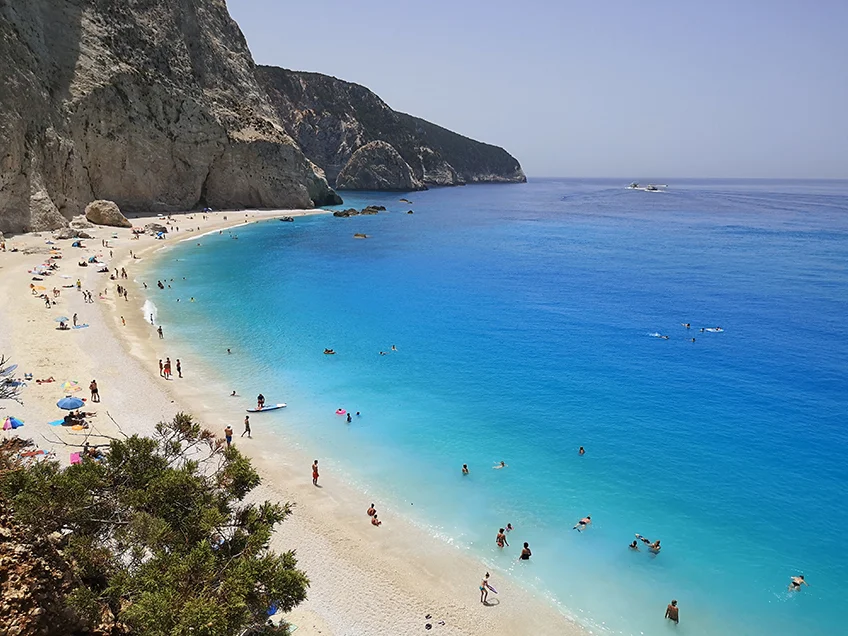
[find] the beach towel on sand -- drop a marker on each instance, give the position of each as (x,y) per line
(56,423)
(75,458)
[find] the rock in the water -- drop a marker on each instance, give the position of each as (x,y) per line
(346,213)
(155,228)
(378,166)
(102,212)
(79,222)
(360,236)
(410,212)
(287,219)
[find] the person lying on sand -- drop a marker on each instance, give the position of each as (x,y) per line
(375,521)
(47,381)
(371,511)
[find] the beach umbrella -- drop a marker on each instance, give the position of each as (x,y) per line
(69,403)
(61,319)
(12,423)
(68,386)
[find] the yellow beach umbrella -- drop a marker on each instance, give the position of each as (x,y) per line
(68,386)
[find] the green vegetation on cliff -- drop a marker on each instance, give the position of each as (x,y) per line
(155,536)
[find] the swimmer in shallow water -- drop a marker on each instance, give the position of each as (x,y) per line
(634,545)
(499,466)
(583,524)
(797,582)
(465,469)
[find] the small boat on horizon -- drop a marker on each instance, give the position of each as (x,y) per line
(651,187)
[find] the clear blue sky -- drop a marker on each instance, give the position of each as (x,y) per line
(580,88)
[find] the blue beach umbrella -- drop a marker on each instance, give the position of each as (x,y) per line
(70,403)
(12,423)
(8,370)
(61,319)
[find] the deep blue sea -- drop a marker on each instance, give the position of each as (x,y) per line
(522,317)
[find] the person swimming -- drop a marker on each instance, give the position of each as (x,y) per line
(583,524)
(525,552)
(797,582)
(465,469)
(653,547)
(499,466)
(582,451)
(500,539)
(634,545)
(508,528)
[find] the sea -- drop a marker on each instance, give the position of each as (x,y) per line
(530,320)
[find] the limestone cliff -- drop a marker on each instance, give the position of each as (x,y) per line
(153,105)
(332,119)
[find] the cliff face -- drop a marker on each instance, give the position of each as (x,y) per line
(332,119)
(153,104)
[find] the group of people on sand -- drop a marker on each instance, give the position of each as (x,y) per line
(372,512)
(165,368)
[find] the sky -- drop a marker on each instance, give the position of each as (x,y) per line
(610,88)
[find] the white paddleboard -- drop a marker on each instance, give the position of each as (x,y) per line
(267,407)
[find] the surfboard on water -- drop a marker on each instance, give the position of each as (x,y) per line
(267,407)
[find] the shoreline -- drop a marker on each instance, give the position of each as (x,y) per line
(364,580)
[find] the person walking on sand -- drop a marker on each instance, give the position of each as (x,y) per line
(161,369)
(246,427)
(500,540)
(315,473)
(525,552)
(179,369)
(672,612)
(95,392)
(228,435)
(123,322)
(75,320)
(484,589)
(159,331)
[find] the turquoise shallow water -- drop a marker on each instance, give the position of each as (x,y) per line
(522,317)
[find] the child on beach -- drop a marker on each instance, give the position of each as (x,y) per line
(484,588)
(315,473)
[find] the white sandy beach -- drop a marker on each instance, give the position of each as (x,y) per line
(364,580)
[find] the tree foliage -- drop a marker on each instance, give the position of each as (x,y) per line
(159,535)
(8,389)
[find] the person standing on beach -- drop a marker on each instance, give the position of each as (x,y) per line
(167,368)
(672,612)
(95,392)
(315,473)
(179,369)
(246,427)
(75,320)
(228,435)
(161,369)
(159,331)
(123,322)
(484,588)
(525,552)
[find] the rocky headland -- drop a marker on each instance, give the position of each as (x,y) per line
(335,122)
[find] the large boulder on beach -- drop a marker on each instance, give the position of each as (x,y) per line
(79,222)
(102,212)
(378,166)
(155,228)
